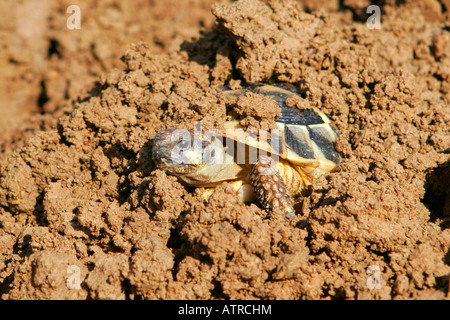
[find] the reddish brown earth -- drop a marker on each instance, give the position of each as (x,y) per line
(80,197)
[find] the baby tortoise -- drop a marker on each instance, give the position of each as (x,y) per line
(273,170)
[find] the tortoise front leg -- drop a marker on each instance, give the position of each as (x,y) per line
(242,188)
(270,188)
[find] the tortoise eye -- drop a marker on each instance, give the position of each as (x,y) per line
(183,143)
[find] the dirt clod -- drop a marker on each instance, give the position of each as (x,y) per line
(85,215)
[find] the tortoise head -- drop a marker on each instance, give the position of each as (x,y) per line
(182,152)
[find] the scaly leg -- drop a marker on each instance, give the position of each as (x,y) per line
(270,188)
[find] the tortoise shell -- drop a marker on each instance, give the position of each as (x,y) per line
(306,137)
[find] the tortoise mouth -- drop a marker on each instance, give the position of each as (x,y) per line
(175,168)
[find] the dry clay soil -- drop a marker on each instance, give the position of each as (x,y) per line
(80,197)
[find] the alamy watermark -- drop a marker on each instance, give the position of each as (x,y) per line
(74,280)
(374,280)
(374,20)
(74,20)
(216,147)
